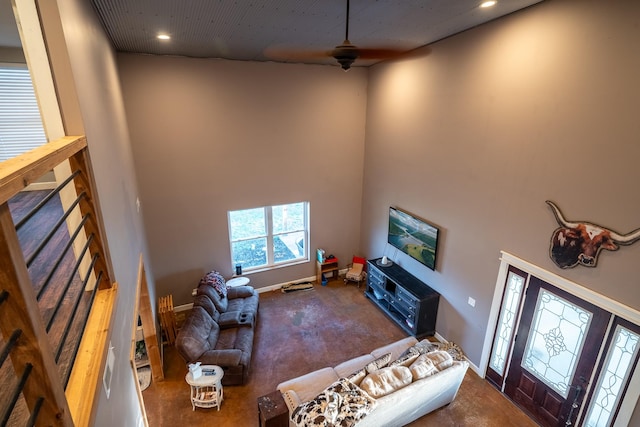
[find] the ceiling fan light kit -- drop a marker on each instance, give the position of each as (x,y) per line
(345,54)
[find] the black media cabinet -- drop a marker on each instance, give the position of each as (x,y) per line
(411,303)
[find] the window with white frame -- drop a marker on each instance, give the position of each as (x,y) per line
(21,127)
(269,236)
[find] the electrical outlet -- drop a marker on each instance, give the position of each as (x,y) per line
(471,302)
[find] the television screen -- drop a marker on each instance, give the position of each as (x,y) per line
(413,236)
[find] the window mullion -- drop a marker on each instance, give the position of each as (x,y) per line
(269,226)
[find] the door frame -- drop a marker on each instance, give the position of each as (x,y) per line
(633,392)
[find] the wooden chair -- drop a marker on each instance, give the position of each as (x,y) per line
(356,272)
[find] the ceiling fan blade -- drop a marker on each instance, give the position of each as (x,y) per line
(379,53)
(345,54)
(283,53)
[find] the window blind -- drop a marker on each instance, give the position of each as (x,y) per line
(21,127)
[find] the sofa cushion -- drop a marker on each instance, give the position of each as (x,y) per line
(243,298)
(341,404)
(206,303)
(310,385)
(386,380)
(220,303)
(198,334)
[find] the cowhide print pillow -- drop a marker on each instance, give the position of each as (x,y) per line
(342,404)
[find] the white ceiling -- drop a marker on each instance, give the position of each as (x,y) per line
(244,29)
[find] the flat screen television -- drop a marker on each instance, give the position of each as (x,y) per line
(413,236)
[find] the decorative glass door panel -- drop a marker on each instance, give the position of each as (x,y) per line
(615,373)
(506,324)
(554,354)
(555,341)
(550,355)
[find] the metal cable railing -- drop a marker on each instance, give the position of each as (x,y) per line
(54,230)
(44,201)
(48,290)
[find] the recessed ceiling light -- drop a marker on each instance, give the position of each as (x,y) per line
(488,3)
(164,36)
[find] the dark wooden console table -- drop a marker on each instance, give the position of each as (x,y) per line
(408,301)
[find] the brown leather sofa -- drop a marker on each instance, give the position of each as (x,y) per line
(220,328)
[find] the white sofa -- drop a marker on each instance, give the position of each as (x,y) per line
(398,408)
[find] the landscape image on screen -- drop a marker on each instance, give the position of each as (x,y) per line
(414,237)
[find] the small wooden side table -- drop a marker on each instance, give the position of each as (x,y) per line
(272,411)
(206,390)
(330,265)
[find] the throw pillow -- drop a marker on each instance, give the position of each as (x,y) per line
(425,346)
(357,376)
(386,380)
(422,347)
(380,362)
(441,359)
(406,359)
(341,404)
(453,349)
(422,367)
(216,281)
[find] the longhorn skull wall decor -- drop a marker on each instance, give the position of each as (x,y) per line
(576,243)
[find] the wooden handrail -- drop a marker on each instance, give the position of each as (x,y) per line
(18,172)
(44,390)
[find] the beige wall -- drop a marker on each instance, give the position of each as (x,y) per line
(12,54)
(90,98)
(211,136)
(477,135)
(539,105)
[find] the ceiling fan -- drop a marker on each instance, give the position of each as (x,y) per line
(345,53)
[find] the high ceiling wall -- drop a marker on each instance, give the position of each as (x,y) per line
(537,106)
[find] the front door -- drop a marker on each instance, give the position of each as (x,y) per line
(555,352)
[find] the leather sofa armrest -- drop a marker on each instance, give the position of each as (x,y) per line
(240,292)
(233,319)
(230,357)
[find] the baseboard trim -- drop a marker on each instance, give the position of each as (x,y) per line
(473,367)
(185,307)
(277,286)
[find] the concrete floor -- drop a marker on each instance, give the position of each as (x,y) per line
(306,330)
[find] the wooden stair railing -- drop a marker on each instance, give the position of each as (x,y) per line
(28,357)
